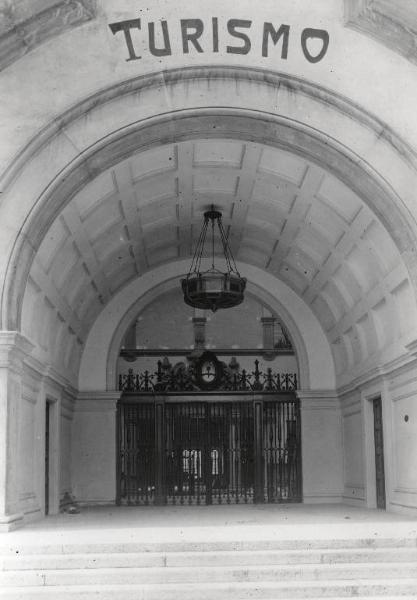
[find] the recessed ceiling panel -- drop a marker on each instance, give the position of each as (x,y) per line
(300,261)
(102,218)
(156,188)
(293,277)
(83,300)
(94,192)
(313,244)
(77,280)
(253,256)
(63,264)
(212,180)
(323,311)
(287,166)
(364,268)
(162,255)
(260,245)
(157,160)
(119,277)
(327,222)
(274,193)
(110,242)
(273,216)
(158,212)
(334,298)
(381,245)
(340,198)
(117,263)
(215,152)
(52,243)
(345,281)
(161,236)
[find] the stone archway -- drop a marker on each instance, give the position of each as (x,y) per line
(58,180)
(112,132)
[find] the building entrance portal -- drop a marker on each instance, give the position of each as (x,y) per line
(211,451)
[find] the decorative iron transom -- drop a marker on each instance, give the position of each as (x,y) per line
(206,374)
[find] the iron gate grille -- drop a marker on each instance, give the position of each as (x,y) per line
(281,451)
(209,452)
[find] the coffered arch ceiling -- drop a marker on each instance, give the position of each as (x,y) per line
(284,214)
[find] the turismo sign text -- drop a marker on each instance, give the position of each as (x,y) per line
(196,35)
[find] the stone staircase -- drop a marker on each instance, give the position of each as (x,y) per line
(206,570)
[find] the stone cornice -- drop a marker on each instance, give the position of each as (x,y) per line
(381,372)
(97,401)
(94,395)
(319,400)
(302,394)
(23,35)
(50,376)
(14,339)
(386,23)
(412,347)
(14,349)
(362,380)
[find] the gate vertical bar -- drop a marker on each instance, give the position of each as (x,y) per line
(207,454)
(118,454)
(47,456)
(299,453)
(280,425)
(259,455)
(160,491)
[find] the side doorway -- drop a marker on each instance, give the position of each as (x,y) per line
(379,453)
(51,454)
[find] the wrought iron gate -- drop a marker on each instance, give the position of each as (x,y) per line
(204,452)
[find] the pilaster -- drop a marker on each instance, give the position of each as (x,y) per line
(93,443)
(321,437)
(14,348)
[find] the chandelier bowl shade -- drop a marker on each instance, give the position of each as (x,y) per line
(213,289)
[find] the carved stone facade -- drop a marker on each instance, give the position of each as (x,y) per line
(24,30)
(391,23)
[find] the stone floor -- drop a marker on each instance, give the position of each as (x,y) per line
(190,523)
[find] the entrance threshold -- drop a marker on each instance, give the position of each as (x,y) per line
(150,525)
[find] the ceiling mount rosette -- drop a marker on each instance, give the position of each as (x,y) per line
(213,288)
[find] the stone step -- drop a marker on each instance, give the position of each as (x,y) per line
(203,575)
(400,589)
(207,546)
(91,560)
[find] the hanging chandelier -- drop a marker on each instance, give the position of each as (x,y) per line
(213,289)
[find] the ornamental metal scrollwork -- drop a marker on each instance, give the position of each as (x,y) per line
(182,377)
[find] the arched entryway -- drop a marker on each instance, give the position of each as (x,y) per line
(111,218)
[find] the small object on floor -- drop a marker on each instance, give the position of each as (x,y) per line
(73,510)
(70,506)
